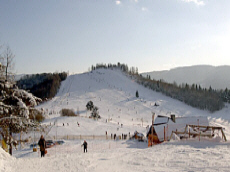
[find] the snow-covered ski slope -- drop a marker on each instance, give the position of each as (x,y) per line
(114,94)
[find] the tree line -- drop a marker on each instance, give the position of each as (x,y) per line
(123,67)
(44,86)
(193,95)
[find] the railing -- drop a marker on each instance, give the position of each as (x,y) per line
(82,137)
(31,139)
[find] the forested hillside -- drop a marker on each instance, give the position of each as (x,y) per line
(43,85)
(203,75)
(194,95)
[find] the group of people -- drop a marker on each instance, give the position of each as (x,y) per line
(42,145)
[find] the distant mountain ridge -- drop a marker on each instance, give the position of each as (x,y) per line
(203,75)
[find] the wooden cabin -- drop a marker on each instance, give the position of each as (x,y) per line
(184,127)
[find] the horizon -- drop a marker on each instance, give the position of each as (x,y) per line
(151,35)
(131,66)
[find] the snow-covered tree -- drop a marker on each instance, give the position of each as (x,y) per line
(16,107)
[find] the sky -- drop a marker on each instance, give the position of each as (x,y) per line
(153,35)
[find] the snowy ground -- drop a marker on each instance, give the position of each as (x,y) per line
(125,156)
(114,94)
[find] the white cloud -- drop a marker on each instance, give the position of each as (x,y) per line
(134,1)
(118,2)
(144,9)
(197,2)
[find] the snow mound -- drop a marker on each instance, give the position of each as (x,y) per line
(5,161)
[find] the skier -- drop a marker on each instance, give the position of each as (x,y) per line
(85,146)
(42,145)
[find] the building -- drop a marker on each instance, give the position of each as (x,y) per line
(183,127)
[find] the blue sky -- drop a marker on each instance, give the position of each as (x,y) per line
(50,36)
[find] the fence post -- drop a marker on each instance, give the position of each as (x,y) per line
(167,131)
(198,129)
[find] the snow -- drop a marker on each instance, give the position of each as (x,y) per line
(5,161)
(25,95)
(128,156)
(121,113)
(25,111)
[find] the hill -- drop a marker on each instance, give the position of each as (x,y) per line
(203,75)
(114,93)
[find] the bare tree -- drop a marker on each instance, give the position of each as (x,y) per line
(1,66)
(7,63)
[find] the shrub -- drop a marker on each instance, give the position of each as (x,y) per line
(37,116)
(67,112)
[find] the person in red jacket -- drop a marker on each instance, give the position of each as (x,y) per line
(42,145)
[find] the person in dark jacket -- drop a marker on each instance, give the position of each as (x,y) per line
(42,145)
(85,146)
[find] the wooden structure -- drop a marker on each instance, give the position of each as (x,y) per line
(199,131)
(163,128)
